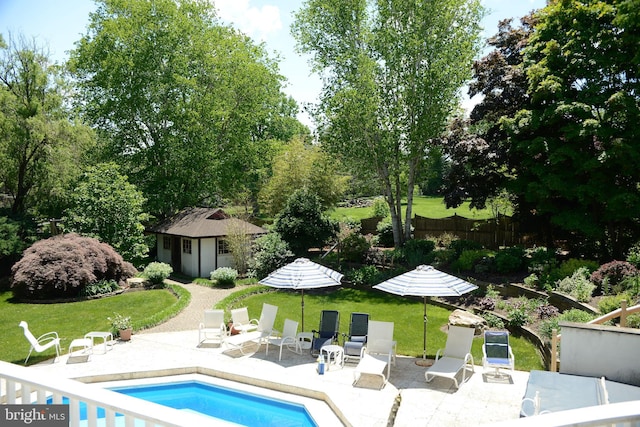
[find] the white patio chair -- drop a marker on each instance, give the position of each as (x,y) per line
(264,330)
(212,328)
(241,321)
(288,338)
(456,356)
(42,343)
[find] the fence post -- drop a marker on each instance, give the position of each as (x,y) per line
(554,351)
(623,313)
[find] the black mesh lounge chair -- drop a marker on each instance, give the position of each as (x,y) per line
(328,331)
(355,341)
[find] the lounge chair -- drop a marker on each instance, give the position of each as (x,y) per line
(264,330)
(287,339)
(212,328)
(42,343)
(241,321)
(496,352)
(357,338)
(378,355)
(327,332)
(456,356)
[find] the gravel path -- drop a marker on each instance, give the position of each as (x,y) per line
(202,297)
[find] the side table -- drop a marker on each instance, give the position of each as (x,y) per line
(104,335)
(86,344)
(335,351)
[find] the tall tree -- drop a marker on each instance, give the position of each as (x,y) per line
(392,71)
(40,145)
(578,140)
(181,99)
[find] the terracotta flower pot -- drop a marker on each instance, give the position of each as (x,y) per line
(125,334)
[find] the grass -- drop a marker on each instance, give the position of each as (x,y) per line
(406,313)
(430,207)
(74,319)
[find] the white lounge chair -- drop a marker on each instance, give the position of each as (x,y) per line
(264,330)
(288,338)
(212,328)
(456,356)
(378,354)
(241,321)
(42,343)
(496,352)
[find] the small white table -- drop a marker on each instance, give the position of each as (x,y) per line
(304,340)
(104,335)
(86,344)
(335,351)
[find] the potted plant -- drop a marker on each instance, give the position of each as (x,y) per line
(121,324)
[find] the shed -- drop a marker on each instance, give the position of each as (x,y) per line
(193,241)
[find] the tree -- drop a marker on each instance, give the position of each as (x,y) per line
(302,224)
(181,100)
(392,73)
(577,140)
(299,166)
(239,242)
(270,252)
(106,206)
(41,147)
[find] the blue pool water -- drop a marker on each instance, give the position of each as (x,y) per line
(220,402)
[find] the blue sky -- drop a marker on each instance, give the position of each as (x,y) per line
(59,23)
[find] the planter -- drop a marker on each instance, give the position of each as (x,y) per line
(125,334)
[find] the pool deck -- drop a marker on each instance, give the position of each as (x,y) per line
(406,400)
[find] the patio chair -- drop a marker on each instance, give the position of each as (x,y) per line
(263,331)
(287,339)
(456,356)
(380,340)
(496,352)
(241,321)
(355,341)
(327,332)
(212,328)
(42,343)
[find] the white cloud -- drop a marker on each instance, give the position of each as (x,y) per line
(257,22)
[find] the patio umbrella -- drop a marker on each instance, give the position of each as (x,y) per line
(302,274)
(425,281)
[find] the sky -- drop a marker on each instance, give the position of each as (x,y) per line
(58,24)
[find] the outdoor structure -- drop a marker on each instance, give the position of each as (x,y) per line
(194,241)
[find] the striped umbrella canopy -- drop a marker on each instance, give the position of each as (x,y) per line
(425,281)
(302,274)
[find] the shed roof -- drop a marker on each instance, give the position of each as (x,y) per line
(201,222)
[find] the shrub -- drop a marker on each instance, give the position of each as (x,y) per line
(546,311)
(633,321)
(461,245)
(531,281)
(631,286)
(573,315)
(225,276)
(614,272)
(633,257)
(541,261)
(509,260)
(443,257)
(612,302)
(568,267)
(487,303)
(578,285)
(468,259)
(365,276)
(491,292)
(61,266)
(270,252)
(517,315)
(415,252)
(380,207)
(493,321)
(354,247)
(157,272)
(101,287)
(384,237)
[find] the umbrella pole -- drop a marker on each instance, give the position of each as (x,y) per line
(302,305)
(423,361)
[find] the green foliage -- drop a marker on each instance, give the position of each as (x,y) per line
(120,322)
(364,276)
(493,321)
(354,247)
(157,272)
(62,266)
(568,267)
(633,321)
(573,315)
(577,285)
(469,258)
(510,259)
(225,277)
(101,287)
(461,245)
(384,237)
(609,276)
(609,303)
(106,206)
(416,252)
(519,312)
(531,281)
(541,261)
(380,207)
(270,252)
(302,224)
(631,285)
(633,256)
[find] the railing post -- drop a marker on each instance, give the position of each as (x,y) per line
(623,313)
(554,351)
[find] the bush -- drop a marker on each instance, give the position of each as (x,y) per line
(612,302)
(225,277)
(546,311)
(61,266)
(633,257)
(157,272)
(612,274)
(573,315)
(541,261)
(270,252)
(578,285)
(384,237)
(380,208)
(631,286)
(468,259)
(568,267)
(102,287)
(509,260)
(365,276)
(415,252)
(493,321)
(633,321)
(461,245)
(354,247)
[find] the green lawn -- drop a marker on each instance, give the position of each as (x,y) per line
(72,320)
(406,313)
(430,207)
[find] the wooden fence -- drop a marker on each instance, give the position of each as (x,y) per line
(491,233)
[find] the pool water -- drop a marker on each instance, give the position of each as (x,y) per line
(217,401)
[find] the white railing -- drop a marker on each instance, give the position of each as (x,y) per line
(20,385)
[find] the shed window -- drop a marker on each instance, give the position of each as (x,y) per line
(186,246)
(223,247)
(166,242)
